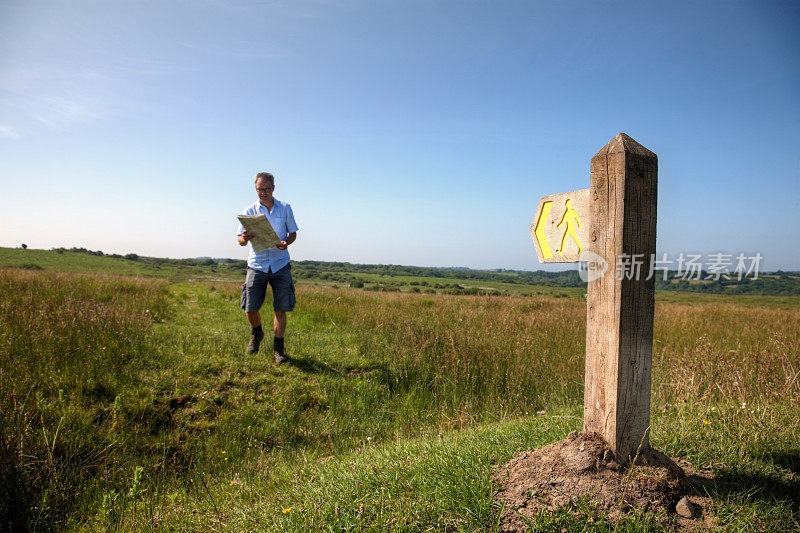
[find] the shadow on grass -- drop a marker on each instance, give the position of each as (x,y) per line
(312,366)
(767,488)
(789,460)
(378,372)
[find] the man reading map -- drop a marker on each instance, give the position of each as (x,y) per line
(268,265)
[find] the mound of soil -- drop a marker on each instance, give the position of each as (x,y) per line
(583,467)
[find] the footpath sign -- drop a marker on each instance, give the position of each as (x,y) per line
(605,226)
(560,228)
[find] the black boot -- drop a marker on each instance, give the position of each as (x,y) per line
(256,336)
(277,350)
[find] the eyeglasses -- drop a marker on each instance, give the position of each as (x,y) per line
(264,189)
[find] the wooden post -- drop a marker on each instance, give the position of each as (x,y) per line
(619,328)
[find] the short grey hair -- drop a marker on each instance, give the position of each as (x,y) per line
(265,176)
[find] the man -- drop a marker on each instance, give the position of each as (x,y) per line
(269,267)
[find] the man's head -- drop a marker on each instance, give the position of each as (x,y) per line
(265,176)
(265,185)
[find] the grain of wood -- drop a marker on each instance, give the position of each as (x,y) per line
(619,333)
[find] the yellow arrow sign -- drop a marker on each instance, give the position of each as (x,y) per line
(561,225)
(540,238)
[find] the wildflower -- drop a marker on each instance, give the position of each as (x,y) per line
(287,510)
(706,422)
(667,406)
(744,405)
(542,412)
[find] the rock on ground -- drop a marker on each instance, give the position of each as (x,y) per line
(685,508)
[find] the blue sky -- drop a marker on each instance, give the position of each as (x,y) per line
(417,133)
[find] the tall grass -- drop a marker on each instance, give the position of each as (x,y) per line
(475,357)
(128,402)
(69,345)
(493,357)
(726,352)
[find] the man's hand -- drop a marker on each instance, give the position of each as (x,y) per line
(289,240)
(245,237)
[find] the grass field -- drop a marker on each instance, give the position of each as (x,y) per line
(128,403)
(69,261)
(182,270)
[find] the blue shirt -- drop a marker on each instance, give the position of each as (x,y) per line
(282,220)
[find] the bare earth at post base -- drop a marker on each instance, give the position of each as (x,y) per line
(582,467)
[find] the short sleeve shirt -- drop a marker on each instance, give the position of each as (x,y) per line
(282,219)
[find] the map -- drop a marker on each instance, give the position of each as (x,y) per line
(258,225)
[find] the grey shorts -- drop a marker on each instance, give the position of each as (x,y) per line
(254,290)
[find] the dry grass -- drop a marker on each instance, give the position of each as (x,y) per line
(726,352)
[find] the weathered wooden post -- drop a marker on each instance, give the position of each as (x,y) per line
(619,315)
(620,241)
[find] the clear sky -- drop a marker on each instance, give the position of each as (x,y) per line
(406,132)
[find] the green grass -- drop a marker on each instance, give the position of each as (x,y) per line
(443,284)
(129,403)
(78,262)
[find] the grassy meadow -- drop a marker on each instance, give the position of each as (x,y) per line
(129,404)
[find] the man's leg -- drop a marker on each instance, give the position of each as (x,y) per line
(283,300)
(253,294)
(256,331)
(279,323)
(279,326)
(254,317)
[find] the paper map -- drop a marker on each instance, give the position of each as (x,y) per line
(258,225)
